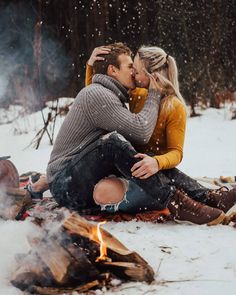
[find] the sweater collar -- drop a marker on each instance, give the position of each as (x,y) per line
(113,85)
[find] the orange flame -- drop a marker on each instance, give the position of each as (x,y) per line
(103,248)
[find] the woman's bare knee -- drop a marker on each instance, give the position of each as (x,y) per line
(109,191)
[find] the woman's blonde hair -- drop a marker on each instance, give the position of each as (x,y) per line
(163,67)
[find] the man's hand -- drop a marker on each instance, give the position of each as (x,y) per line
(95,54)
(144,168)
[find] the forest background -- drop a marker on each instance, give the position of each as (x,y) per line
(45,44)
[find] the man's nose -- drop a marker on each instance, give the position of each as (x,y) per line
(133,72)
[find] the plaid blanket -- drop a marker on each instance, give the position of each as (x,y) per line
(46,207)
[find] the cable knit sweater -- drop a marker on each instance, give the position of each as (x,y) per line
(100,108)
(167,140)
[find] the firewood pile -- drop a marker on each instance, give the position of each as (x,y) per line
(73,255)
(70,254)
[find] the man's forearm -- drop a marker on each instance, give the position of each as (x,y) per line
(113,116)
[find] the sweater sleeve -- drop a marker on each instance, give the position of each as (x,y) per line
(175,133)
(137,99)
(88,75)
(104,110)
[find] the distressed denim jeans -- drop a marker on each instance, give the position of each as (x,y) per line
(137,200)
(113,154)
(110,154)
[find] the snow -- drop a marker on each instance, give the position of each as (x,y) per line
(186,259)
(210,146)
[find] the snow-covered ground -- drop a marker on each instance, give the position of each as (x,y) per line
(186,259)
(210,146)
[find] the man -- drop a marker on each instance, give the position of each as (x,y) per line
(85,151)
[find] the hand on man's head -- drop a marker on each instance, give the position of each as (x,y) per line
(95,54)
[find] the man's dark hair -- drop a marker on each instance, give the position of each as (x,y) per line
(100,66)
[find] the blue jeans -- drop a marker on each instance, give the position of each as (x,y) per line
(111,154)
(135,200)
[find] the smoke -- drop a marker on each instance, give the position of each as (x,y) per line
(33,64)
(13,241)
(21,242)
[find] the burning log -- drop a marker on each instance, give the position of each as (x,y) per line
(58,291)
(67,259)
(66,264)
(98,283)
(59,262)
(50,264)
(77,225)
(128,270)
(31,270)
(134,266)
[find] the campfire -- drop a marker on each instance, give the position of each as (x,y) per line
(76,256)
(103,247)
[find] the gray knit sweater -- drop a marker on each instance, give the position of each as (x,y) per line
(100,108)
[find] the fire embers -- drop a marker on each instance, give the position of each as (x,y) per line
(76,255)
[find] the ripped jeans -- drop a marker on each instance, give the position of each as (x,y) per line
(135,199)
(111,154)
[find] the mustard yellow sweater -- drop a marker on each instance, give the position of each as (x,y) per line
(167,139)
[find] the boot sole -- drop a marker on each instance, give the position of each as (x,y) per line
(231,210)
(216,221)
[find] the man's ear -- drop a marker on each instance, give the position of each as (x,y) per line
(111,71)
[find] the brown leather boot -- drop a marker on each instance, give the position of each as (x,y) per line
(185,209)
(223,198)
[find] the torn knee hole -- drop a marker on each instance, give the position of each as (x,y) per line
(109,191)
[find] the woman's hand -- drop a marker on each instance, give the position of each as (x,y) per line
(154,82)
(144,168)
(95,54)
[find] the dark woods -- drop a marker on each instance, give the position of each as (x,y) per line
(45,44)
